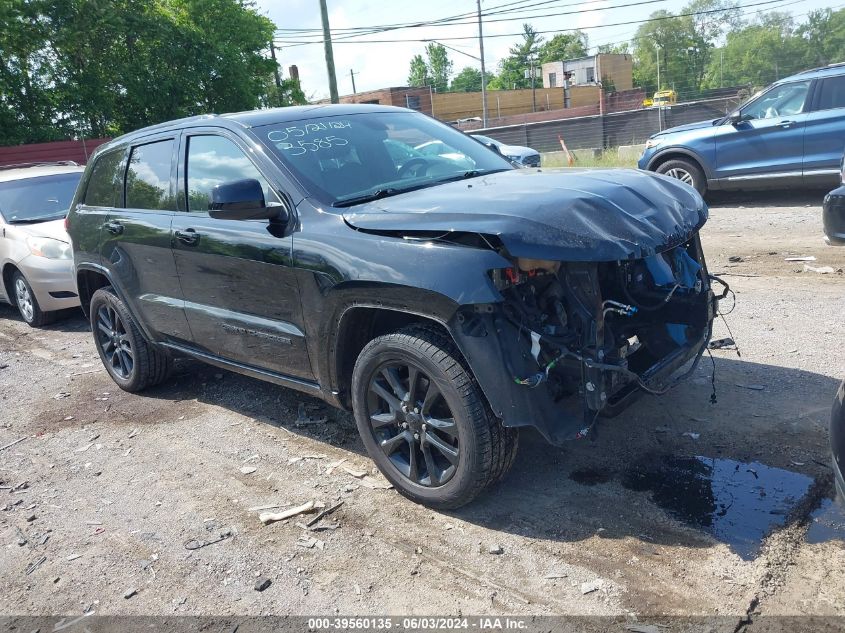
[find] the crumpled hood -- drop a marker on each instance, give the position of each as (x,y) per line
(573,215)
(54,229)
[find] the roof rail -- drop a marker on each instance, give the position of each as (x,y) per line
(813,70)
(43,163)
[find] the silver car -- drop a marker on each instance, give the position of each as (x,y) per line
(35,255)
(517,154)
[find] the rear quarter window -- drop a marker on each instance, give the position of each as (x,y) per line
(832,93)
(103,184)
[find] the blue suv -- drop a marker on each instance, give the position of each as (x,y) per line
(790,134)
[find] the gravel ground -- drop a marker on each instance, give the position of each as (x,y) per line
(107,488)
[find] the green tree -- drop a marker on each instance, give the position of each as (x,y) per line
(564,46)
(823,36)
(439,66)
(434,70)
(683,43)
(620,48)
(418,74)
(102,67)
(468,80)
(522,55)
(758,53)
(27,100)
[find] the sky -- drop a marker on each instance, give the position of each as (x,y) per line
(381,65)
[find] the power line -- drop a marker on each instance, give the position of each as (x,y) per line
(351,32)
(293,43)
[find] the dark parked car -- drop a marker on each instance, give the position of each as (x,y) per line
(445,310)
(790,134)
(833,212)
(834,229)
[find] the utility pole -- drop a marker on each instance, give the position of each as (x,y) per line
(352,76)
(275,64)
(657,50)
(483,72)
(327,44)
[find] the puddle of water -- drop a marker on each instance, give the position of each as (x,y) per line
(827,523)
(738,503)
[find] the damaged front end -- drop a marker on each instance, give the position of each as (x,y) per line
(574,340)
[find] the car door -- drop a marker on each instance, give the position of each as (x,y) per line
(136,240)
(767,143)
(824,136)
(241,293)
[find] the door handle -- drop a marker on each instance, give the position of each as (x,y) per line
(116,228)
(786,123)
(188,236)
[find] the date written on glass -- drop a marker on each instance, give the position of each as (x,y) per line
(301,131)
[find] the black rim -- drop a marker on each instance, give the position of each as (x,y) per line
(412,424)
(113,340)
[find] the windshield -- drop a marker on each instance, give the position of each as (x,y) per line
(351,158)
(37,199)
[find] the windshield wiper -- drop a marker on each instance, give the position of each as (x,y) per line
(472,173)
(38,218)
(369,197)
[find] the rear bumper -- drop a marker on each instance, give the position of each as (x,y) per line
(833,216)
(837,438)
(52,282)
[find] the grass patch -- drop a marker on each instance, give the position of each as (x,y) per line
(608,159)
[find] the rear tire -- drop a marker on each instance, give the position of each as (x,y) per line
(424,420)
(132,362)
(27,304)
(686,171)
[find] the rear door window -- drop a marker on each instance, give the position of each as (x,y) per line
(103,185)
(832,93)
(214,160)
(148,181)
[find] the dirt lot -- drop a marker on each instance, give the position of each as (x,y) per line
(108,487)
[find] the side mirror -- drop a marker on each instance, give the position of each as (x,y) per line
(240,200)
(494,147)
(734,118)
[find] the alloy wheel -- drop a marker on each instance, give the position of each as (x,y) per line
(114,341)
(24,298)
(681,174)
(412,424)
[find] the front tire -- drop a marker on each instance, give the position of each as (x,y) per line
(27,304)
(686,171)
(132,362)
(424,420)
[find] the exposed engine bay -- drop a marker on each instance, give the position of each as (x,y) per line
(597,333)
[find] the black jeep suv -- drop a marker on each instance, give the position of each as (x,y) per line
(447,300)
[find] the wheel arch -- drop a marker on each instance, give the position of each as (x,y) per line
(359,324)
(9,270)
(88,281)
(675,153)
